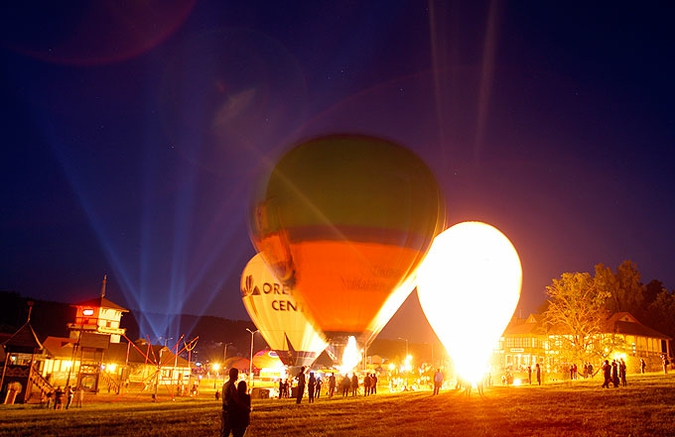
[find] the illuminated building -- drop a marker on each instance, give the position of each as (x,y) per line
(528,342)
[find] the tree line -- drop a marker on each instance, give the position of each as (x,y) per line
(578,304)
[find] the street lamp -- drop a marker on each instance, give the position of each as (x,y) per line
(406,345)
(407,360)
(250,363)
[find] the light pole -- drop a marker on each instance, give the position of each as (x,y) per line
(406,345)
(407,361)
(250,363)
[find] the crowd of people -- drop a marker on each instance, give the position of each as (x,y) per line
(313,385)
(60,399)
(614,373)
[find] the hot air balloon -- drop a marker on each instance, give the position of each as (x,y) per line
(279,316)
(345,220)
(267,359)
(471,267)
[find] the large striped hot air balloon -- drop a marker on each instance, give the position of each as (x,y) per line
(345,220)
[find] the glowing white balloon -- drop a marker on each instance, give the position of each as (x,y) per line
(469,286)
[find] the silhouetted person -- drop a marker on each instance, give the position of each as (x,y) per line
(537,372)
(606,373)
(317,391)
(622,372)
(229,399)
(240,413)
(311,386)
(438,381)
(615,373)
(301,385)
(58,398)
(331,385)
(366,384)
(70,394)
(346,384)
(373,384)
(643,365)
(355,384)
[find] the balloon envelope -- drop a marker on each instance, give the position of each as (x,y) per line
(267,359)
(278,315)
(468,287)
(345,220)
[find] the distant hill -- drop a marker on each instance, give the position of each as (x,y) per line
(215,333)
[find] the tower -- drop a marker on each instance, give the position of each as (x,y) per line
(97,324)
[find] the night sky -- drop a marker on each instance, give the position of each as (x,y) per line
(133,133)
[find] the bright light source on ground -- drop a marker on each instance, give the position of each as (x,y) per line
(351,356)
(468,287)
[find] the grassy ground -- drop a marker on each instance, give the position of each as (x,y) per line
(580,408)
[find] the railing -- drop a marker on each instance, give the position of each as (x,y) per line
(39,381)
(110,382)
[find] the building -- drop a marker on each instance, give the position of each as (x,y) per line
(96,357)
(526,342)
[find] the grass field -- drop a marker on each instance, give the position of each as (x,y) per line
(646,407)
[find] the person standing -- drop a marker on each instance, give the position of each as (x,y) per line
(366,384)
(229,402)
(606,373)
(311,386)
(331,385)
(80,397)
(615,373)
(355,384)
(50,395)
(319,383)
(622,372)
(58,398)
(301,385)
(537,372)
(346,383)
(438,381)
(70,394)
(241,410)
(643,365)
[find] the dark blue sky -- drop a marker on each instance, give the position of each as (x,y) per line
(134,133)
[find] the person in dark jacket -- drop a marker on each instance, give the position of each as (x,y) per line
(240,411)
(301,385)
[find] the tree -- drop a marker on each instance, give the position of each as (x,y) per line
(652,290)
(661,313)
(626,288)
(576,315)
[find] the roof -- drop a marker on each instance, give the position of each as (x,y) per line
(626,323)
(24,340)
(618,323)
(59,347)
(101,302)
(532,325)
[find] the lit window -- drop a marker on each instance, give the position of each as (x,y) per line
(88,312)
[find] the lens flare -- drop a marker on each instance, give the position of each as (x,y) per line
(469,286)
